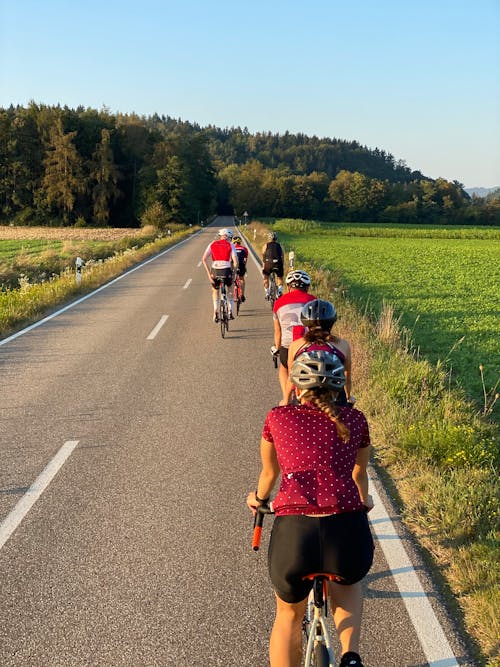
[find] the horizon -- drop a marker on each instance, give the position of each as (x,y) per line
(420,82)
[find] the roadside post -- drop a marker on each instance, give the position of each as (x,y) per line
(79,263)
(291,258)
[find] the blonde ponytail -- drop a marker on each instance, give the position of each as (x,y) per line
(324,401)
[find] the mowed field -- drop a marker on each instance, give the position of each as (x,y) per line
(442,282)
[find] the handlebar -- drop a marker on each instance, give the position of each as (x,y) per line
(257,524)
(275,353)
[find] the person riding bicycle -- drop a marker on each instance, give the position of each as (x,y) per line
(272,262)
(286,316)
(223,258)
(318,318)
(320,452)
(241,267)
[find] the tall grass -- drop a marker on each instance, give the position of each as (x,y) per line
(441,454)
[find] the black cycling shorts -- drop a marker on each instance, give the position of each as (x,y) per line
(241,270)
(339,544)
(220,276)
(273,267)
(283,354)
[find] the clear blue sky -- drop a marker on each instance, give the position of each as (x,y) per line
(417,78)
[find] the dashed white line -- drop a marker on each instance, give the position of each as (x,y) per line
(157,328)
(96,291)
(17,514)
(435,646)
(188,282)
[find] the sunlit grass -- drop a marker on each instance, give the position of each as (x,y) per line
(440,451)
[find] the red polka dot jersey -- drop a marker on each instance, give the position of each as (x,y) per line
(316,464)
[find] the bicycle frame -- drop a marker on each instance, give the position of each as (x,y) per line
(237,293)
(319,646)
(315,624)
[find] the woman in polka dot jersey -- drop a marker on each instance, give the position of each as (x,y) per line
(321,450)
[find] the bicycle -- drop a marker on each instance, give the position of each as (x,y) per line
(237,293)
(223,311)
(273,288)
(318,643)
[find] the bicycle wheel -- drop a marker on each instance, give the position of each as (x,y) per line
(320,656)
(272,290)
(237,297)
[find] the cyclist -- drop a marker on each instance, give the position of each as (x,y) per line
(321,452)
(286,316)
(241,267)
(223,258)
(318,318)
(272,261)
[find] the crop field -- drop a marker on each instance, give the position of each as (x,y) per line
(442,282)
(8,233)
(36,253)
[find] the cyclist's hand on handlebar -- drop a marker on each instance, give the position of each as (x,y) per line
(252,502)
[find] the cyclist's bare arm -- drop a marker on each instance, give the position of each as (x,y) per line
(360,475)
(268,475)
(277,333)
(206,255)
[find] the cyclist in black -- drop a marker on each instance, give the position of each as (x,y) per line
(272,261)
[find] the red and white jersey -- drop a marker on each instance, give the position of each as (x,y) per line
(221,252)
(287,310)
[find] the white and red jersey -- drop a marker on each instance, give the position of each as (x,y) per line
(222,253)
(287,310)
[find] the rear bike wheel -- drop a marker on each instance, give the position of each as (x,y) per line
(320,656)
(273,289)
(221,320)
(237,297)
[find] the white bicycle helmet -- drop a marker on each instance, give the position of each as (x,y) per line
(226,232)
(298,279)
(318,369)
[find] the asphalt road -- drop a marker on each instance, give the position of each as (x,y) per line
(138,551)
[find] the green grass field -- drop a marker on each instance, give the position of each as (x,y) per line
(11,248)
(443,282)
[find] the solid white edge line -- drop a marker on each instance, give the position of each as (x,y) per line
(157,328)
(23,506)
(433,641)
(96,291)
(188,282)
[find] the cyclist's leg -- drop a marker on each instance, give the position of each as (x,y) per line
(346,603)
(279,280)
(230,294)
(285,647)
(265,277)
(215,295)
(283,370)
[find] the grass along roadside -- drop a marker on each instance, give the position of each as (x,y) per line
(440,455)
(32,300)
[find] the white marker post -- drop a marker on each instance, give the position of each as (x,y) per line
(291,257)
(79,263)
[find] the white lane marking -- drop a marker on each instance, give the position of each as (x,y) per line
(157,328)
(435,646)
(188,282)
(19,511)
(99,289)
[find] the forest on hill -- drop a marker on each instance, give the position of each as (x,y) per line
(91,167)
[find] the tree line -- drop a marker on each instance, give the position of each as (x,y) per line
(87,167)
